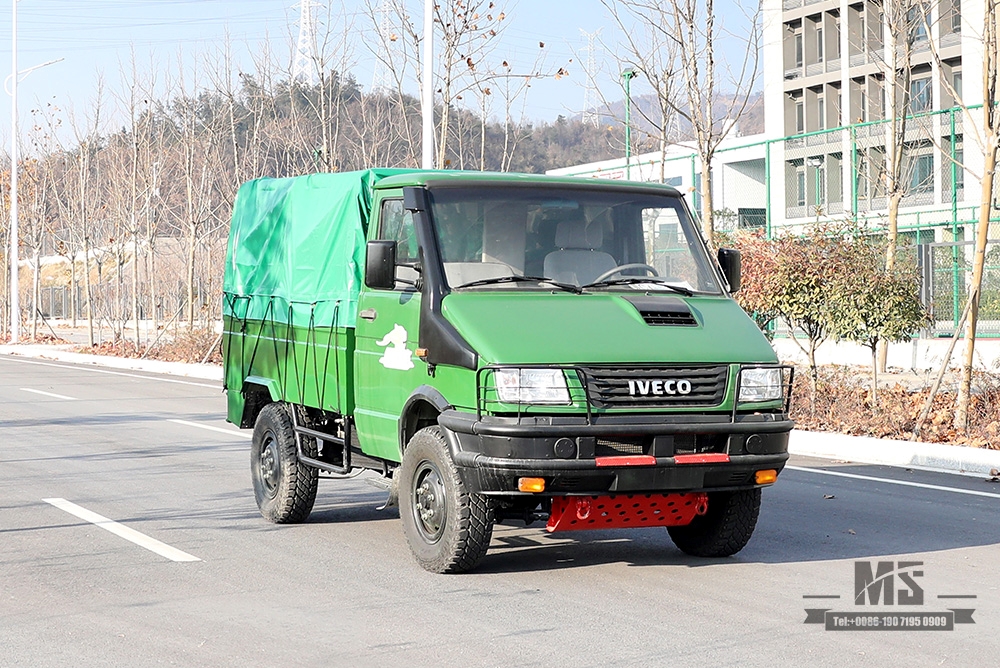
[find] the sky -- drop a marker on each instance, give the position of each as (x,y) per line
(95,37)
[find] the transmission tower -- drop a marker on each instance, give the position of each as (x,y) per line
(304,68)
(381,79)
(590,92)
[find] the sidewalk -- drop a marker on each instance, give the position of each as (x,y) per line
(840,447)
(62,353)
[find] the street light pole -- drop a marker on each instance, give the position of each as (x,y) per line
(15,307)
(627,74)
(427,96)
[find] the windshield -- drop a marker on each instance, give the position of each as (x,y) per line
(501,238)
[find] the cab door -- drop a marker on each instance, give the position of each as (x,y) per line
(386,368)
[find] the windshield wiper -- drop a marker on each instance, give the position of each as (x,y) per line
(630,280)
(518,279)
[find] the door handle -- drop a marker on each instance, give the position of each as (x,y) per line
(368,314)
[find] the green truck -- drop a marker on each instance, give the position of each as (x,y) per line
(498,347)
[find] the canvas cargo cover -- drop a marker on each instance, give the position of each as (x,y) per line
(296,250)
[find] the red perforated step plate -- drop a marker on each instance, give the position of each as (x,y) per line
(575,513)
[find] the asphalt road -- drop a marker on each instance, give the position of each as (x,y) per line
(207,582)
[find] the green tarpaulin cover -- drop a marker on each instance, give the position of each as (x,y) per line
(296,250)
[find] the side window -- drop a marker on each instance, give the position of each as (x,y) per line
(396,224)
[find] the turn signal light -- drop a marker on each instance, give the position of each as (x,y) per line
(533,485)
(765,477)
(421,353)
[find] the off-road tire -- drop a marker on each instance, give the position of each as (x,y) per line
(284,487)
(722,531)
(458,541)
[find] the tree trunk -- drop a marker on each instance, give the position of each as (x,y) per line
(87,290)
(982,232)
(707,222)
(36,293)
(890,262)
(72,289)
(190,278)
(135,283)
(874,397)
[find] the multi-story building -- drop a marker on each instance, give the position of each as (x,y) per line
(835,72)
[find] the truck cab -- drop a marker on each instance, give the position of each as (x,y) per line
(529,348)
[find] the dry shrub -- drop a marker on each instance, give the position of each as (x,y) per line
(843,405)
(119,348)
(187,346)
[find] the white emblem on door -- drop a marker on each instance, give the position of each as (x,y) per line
(396,355)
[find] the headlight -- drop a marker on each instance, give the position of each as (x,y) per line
(531,386)
(761,385)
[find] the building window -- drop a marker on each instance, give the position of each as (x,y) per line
(800,186)
(821,183)
(959,169)
(798,49)
(861,177)
(956,83)
(920,95)
(820,113)
(864,105)
(918,25)
(956,15)
(819,45)
(751,218)
(800,117)
(836,37)
(922,174)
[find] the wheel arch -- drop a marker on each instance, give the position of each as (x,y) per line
(420,410)
(257,392)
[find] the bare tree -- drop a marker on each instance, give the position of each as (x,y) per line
(651,51)
(989,138)
(684,34)
(86,132)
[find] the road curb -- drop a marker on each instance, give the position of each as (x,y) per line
(940,457)
(861,449)
(59,354)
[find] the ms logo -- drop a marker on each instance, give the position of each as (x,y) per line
(872,585)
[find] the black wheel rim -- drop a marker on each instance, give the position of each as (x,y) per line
(268,464)
(429,502)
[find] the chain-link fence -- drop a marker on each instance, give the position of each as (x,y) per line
(946,272)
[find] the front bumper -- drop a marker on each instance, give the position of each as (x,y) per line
(492,453)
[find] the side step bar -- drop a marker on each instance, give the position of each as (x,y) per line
(324,438)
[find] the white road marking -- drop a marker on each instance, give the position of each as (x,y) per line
(82,367)
(140,539)
(227,432)
(48,394)
(904,483)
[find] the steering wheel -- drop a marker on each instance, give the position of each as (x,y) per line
(620,268)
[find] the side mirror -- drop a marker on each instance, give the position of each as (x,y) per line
(729,261)
(380,265)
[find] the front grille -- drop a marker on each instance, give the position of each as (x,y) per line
(642,387)
(669,318)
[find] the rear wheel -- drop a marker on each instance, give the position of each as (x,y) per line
(722,531)
(447,527)
(284,487)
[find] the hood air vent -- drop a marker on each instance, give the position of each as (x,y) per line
(663,311)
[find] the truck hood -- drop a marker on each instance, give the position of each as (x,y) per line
(602,328)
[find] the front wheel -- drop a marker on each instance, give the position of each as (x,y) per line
(722,531)
(284,487)
(447,527)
